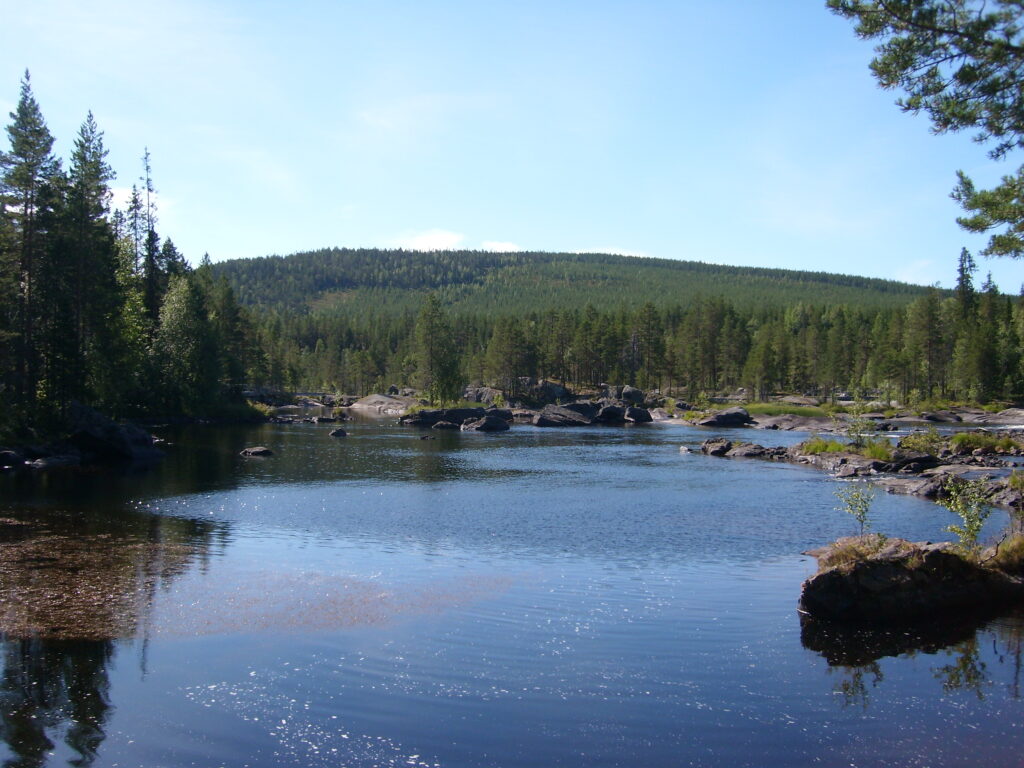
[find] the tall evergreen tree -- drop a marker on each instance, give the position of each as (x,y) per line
(437,361)
(28,172)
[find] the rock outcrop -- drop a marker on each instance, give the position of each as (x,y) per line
(736,416)
(101,440)
(488,423)
(901,581)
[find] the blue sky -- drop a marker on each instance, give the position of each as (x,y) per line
(745,133)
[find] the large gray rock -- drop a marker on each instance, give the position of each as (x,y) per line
(632,395)
(716,446)
(791,422)
(385,404)
(481,394)
(429,418)
(901,582)
(489,423)
(573,415)
(638,415)
(100,439)
(736,416)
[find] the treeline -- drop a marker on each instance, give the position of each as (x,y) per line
(94,305)
(354,280)
(965,345)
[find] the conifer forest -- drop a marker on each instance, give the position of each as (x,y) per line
(98,306)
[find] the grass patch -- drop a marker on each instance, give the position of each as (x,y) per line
(264,409)
(782,409)
(879,449)
(817,445)
(965,442)
(1009,556)
(844,553)
(417,407)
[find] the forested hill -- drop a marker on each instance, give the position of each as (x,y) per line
(482,282)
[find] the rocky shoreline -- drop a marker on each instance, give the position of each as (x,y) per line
(907,472)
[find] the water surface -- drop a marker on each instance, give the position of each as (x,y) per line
(537,597)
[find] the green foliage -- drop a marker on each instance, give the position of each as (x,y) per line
(1009,555)
(779,409)
(860,429)
(856,500)
(474,282)
(928,441)
(959,62)
(965,442)
(816,445)
(438,373)
(877,448)
(967,499)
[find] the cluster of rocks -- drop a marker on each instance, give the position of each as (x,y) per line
(587,413)
(907,472)
(465,419)
(902,581)
(283,417)
(92,439)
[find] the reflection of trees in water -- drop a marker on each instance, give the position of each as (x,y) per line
(69,585)
(853,683)
(855,652)
(967,672)
(49,686)
(77,577)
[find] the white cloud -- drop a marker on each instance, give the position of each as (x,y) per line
(920,272)
(430,240)
(500,246)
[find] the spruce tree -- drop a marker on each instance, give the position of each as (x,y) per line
(28,172)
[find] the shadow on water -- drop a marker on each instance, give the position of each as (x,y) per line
(70,586)
(856,652)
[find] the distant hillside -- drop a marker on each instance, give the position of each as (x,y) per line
(342,280)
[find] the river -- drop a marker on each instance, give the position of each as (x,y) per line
(540,597)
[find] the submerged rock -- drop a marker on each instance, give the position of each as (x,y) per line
(256,450)
(339,432)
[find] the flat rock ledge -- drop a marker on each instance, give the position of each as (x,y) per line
(908,472)
(903,582)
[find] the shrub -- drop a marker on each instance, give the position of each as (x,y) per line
(929,441)
(967,500)
(965,442)
(264,409)
(856,501)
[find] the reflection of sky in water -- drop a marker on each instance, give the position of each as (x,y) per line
(560,597)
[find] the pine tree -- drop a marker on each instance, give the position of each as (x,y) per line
(27,175)
(438,373)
